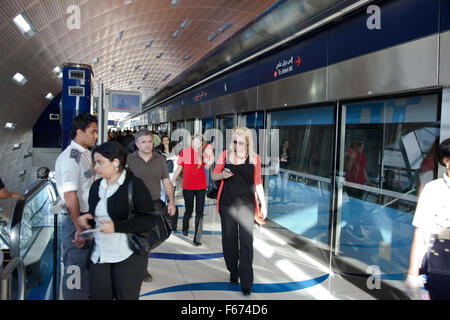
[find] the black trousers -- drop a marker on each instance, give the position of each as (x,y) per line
(189,196)
(121,280)
(237,241)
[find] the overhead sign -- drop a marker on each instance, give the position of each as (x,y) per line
(125,101)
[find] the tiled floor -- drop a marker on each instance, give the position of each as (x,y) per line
(281,272)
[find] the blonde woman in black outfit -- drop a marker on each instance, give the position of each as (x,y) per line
(240,201)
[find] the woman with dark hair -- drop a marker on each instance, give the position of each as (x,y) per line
(166,150)
(283,175)
(115,271)
(194,162)
(430,254)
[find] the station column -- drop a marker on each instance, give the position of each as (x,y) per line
(76,96)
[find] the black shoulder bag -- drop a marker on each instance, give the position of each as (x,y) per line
(143,242)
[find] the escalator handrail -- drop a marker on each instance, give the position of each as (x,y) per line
(6,274)
(16,219)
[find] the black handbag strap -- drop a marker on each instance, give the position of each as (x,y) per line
(130,199)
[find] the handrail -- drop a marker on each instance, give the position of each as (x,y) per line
(18,259)
(6,274)
(16,219)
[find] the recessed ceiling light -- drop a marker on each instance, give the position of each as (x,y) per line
(49,96)
(56,70)
(96,60)
(60,75)
(20,79)
(125,2)
(187,57)
(159,55)
(224,27)
(174,3)
(176,33)
(137,67)
(10,125)
(148,44)
(119,35)
(24,24)
(17,146)
(185,23)
(212,37)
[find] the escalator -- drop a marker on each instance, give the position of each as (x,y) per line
(30,243)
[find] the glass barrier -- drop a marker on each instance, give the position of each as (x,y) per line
(299,190)
(388,154)
(33,237)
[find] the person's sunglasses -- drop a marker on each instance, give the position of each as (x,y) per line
(241,143)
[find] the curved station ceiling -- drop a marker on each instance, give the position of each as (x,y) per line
(136,45)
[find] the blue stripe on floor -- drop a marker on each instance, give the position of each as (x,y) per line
(179,256)
(207,232)
(392,276)
(227,286)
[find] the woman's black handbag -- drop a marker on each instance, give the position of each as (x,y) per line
(213,190)
(142,242)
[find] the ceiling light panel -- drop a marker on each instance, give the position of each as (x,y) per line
(20,79)
(185,23)
(212,37)
(25,26)
(10,125)
(224,27)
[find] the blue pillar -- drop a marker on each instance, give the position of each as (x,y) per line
(76,96)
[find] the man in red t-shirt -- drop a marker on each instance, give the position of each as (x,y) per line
(355,163)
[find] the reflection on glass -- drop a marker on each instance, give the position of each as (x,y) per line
(207,123)
(224,123)
(190,126)
(299,188)
(389,154)
(36,216)
(255,121)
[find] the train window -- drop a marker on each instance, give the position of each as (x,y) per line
(388,153)
(299,186)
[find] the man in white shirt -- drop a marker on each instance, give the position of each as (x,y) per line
(74,176)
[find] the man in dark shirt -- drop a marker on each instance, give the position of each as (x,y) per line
(151,167)
(5,194)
